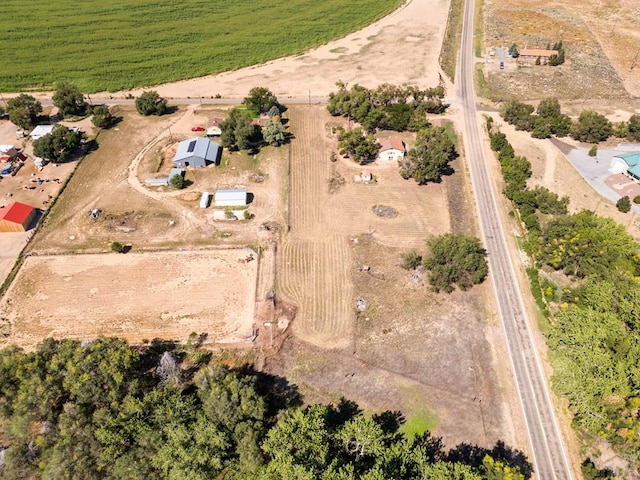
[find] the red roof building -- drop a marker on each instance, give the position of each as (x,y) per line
(17,217)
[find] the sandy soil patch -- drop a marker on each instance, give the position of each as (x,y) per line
(135,296)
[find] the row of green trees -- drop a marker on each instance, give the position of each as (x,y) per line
(548,120)
(387,107)
(594,321)
(24,109)
(103,409)
(516,170)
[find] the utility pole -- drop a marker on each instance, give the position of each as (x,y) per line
(309,97)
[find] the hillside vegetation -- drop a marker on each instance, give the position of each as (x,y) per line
(123,44)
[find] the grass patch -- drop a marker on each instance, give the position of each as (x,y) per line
(122,44)
(478,28)
(482,87)
(536,291)
(418,423)
(452,39)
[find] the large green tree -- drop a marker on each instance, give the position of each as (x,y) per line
(102,117)
(69,99)
(429,159)
(260,100)
(58,145)
(23,110)
(455,259)
(591,127)
(238,131)
(633,133)
(357,144)
(151,103)
(273,132)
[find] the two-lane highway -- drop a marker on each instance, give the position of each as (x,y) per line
(547,446)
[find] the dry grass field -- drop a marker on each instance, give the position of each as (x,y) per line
(140,296)
(316,263)
(601,39)
(432,356)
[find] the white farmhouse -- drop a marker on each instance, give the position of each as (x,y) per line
(391,149)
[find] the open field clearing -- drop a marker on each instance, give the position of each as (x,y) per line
(125,44)
(135,296)
(600,38)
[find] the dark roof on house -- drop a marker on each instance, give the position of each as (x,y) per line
(16,213)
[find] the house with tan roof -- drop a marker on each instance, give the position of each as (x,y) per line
(532,54)
(390,149)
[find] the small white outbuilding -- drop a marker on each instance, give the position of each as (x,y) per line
(204,199)
(231,198)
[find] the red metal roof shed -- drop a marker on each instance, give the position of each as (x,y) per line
(16,217)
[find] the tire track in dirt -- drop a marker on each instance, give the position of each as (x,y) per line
(316,277)
(315,261)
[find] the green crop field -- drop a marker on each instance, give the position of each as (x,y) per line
(120,44)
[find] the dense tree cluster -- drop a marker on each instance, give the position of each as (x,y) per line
(58,145)
(455,260)
(434,149)
(591,127)
(102,409)
(593,331)
(238,130)
(23,110)
(548,121)
(557,59)
(261,101)
(151,103)
(387,107)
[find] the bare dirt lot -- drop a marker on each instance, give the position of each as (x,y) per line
(135,296)
(601,39)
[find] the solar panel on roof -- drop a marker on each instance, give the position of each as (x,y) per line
(192,146)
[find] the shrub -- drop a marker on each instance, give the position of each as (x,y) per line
(177,181)
(117,247)
(624,204)
(593,151)
(636,199)
(410,260)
